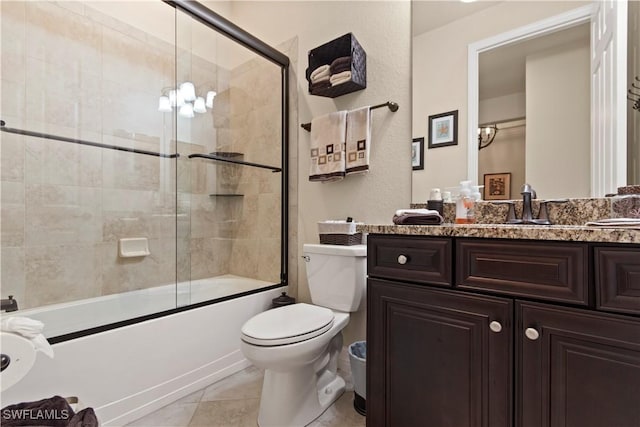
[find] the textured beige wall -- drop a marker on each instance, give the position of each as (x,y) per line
(558,121)
(383,30)
(440,80)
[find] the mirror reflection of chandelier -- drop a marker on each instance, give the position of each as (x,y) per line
(185,100)
(486,135)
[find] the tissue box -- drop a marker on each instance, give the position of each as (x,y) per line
(339,233)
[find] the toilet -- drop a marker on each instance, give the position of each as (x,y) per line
(298,345)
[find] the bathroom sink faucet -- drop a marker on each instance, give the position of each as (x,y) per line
(528,194)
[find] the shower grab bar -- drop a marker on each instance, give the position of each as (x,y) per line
(237,162)
(3,128)
(392,106)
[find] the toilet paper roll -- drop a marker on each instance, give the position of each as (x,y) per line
(21,356)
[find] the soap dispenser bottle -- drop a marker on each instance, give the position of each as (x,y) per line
(465,204)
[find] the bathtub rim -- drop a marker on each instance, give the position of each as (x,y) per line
(131,321)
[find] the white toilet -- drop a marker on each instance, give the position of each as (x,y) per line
(298,345)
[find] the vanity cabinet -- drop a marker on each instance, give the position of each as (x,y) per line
(514,340)
(432,359)
(576,367)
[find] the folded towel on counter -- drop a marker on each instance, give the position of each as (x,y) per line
(340,78)
(417,217)
(616,222)
(341,64)
(417,211)
(358,140)
(327,147)
(320,73)
(30,329)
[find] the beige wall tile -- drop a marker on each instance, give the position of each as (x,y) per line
(58,215)
(12,228)
(128,274)
(12,275)
(55,274)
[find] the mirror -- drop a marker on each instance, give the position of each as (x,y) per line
(441,81)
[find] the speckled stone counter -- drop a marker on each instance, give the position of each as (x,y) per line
(503,231)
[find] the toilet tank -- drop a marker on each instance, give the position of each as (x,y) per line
(336,275)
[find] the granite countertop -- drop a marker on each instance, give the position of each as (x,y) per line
(574,233)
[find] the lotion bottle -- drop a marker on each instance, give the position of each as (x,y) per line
(465,204)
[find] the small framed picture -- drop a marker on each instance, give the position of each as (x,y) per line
(417,154)
(497,186)
(443,129)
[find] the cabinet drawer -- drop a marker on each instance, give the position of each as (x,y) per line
(416,259)
(617,272)
(543,270)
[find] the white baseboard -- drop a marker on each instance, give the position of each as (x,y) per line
(143,403)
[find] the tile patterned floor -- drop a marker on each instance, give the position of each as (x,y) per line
(234,402)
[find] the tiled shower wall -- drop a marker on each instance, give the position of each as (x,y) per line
(70,70)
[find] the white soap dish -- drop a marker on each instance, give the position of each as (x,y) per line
(134,247)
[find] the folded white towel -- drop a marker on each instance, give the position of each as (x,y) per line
(30,329)
(340,78)
(358,140)
(327,147)
(320,73)
(616,222)
(417,212)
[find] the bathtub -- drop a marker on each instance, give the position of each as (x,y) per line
(131,371)
(65,318)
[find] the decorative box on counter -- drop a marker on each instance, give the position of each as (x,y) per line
(339,233)
(626,204)
(343,46)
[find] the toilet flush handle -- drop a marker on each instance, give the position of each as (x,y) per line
(306,258)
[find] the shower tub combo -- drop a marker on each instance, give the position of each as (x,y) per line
(203,182)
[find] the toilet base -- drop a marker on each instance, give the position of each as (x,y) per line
(294,398)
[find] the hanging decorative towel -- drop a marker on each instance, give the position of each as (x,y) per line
(358,140)
(327,147)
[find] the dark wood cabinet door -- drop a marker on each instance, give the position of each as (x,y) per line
(434,359)
(582,369)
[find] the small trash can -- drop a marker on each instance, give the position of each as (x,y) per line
(358,361)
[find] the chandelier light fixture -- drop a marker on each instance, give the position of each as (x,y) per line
(486,135)
(185,100)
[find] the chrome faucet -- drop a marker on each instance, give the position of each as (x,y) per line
(9,304)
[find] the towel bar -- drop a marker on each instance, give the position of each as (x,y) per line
(392,106)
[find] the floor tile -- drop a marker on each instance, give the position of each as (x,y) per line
(234,402)
(226,413)
(246,384)
(173,415)
(340,414)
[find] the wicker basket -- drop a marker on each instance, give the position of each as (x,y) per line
(341,239)
(346,45)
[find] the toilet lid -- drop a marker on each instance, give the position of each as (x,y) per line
(287,325)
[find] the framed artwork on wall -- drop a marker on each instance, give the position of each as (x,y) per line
(497,186)
(417,153)
(443,129)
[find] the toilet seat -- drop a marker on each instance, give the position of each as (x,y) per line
(287,325)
